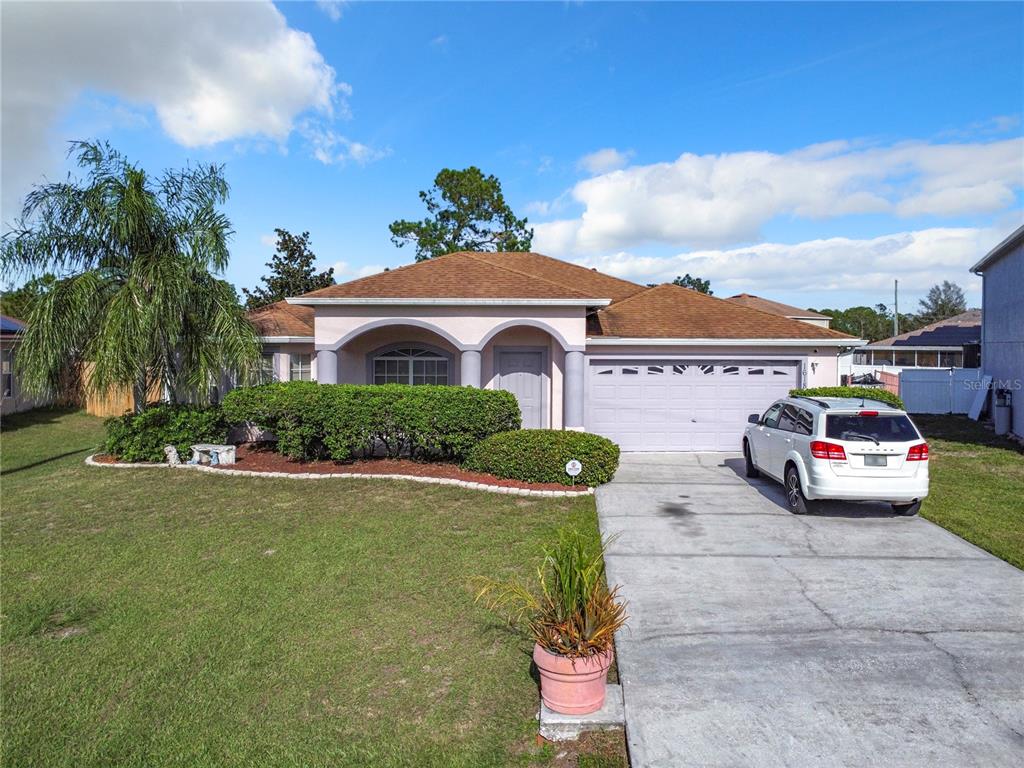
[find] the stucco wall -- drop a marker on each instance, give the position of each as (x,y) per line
(1002,352)
(467,326)
(282,358)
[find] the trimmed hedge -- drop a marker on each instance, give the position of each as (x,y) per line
(871,393)
(540,456)
(346,421)
(142,436)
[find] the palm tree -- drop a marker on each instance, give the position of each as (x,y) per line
(138,294)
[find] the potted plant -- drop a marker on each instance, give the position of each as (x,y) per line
(571,615)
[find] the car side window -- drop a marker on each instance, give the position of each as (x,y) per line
(804,422)
(788,419)
(771,416)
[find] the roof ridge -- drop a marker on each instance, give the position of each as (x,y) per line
(473,256)
(376,274)
(587,269)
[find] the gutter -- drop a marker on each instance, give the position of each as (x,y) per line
(608,341)
(315,301)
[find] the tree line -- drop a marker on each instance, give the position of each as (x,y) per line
(124,270)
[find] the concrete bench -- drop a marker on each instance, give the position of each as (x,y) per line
(209,453)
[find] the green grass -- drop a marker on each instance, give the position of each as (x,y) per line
(977,485)
(156,617)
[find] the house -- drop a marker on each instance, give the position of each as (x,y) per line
(659,368)
(13,399)
(1002,328)
(778,308)
(941,344)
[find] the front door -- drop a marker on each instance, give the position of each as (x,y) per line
(522,374)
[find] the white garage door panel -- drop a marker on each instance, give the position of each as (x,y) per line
(682,405)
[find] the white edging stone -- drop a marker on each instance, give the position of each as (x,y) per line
(512,490)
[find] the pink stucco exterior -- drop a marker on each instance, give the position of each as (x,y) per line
(469,326)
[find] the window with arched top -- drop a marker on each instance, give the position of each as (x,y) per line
(410,365)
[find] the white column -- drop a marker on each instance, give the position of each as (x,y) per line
(573,388)
(470,365)
(327,366)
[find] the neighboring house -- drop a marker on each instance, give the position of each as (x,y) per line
(13,399)
(778,308)
(1002,330)
(662,368)
(938,345)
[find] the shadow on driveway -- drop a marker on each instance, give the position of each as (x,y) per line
(774,492)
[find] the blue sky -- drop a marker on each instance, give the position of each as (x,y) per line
(810,153)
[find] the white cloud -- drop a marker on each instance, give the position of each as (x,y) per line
(269,240)
(717,200)
(344,271)
(604,160)
(332,148)
(210,72)
(331,8)
(440,41)
(919,259)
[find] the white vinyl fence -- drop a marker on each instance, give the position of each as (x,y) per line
(939,390)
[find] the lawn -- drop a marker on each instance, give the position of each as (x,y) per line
(977,485)
(158,617)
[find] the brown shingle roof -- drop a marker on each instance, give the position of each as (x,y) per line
(282,319)
(775,307)
(671,312)
(590,281)
(466,275)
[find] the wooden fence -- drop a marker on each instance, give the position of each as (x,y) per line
(115,401)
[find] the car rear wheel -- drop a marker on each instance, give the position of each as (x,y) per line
(907,509)
(798,503)
(752,470)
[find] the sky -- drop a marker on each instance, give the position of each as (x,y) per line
(809,153)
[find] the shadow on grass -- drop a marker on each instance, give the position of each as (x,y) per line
(953,428)
(35,417)
(32,465)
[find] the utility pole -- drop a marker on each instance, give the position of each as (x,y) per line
(896,308)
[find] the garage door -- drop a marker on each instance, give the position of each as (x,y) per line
(682,405)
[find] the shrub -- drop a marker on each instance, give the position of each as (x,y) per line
(871,393)
(344,421)
(142,436)
(540,456)
(571,611)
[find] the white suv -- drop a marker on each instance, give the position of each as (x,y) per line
(839,448)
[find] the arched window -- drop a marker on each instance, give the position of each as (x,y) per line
(410,365)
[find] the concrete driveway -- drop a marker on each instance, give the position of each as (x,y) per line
(849,638)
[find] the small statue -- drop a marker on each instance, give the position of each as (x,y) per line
(172,455)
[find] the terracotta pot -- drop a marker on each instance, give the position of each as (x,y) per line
(572,686)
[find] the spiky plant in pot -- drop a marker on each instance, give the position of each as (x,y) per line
(571,615)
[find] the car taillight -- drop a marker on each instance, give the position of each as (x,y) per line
(918,452)
(868,413)
(822,450)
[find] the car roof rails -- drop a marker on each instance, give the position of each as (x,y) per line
(815,400)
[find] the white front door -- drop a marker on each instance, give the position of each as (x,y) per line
(682,405)
(522,374)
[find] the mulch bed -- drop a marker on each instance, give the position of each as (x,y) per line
(251,457)
(255,458)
